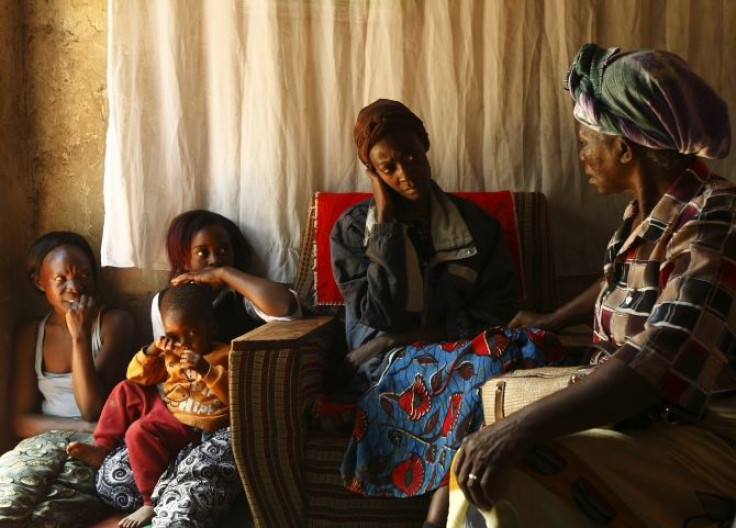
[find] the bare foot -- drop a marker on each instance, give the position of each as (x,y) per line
(139,517)
(91,454)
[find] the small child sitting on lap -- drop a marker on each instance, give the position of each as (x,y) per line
(190,370)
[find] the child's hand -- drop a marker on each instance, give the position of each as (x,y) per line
(194,361)
(161,345)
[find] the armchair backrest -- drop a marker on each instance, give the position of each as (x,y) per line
(523,216)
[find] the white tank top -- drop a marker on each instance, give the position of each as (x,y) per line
(56,389)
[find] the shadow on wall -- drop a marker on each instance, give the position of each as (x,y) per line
(16,220)
(132,289)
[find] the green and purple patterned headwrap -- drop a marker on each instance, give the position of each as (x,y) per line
(651,97)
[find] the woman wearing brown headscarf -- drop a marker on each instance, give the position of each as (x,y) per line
(664,307)
(416,264)
(386,251)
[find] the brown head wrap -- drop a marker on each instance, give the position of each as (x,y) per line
(379,119)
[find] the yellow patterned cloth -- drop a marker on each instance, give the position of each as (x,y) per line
(661,476)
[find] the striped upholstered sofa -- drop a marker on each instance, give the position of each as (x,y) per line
(289,466)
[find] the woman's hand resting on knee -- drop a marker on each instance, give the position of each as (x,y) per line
(486,458)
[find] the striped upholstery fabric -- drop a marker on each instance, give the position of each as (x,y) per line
(271,388)
(330,505)
(288,467)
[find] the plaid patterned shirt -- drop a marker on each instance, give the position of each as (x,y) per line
(667,301)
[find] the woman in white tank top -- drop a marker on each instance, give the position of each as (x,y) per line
(68,361)
(56,388)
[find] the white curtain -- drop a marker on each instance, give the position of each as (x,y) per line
(246,107)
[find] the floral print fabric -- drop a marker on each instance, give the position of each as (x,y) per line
(410,423)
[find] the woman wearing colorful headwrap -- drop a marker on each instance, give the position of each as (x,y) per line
(416,264)
(649,436)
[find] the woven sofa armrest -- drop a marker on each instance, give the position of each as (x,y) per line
(276,371)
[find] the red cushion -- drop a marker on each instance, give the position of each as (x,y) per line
(330,206)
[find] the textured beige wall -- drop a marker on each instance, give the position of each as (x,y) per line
(15,190)
(66,59)
(66,102)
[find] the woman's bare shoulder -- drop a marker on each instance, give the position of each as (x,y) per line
(115,318)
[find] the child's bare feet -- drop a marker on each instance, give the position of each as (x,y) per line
(91,454)
(140,517)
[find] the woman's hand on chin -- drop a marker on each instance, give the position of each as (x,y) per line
(79,316)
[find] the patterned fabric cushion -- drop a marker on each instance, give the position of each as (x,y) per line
(326,209)
(42,486)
